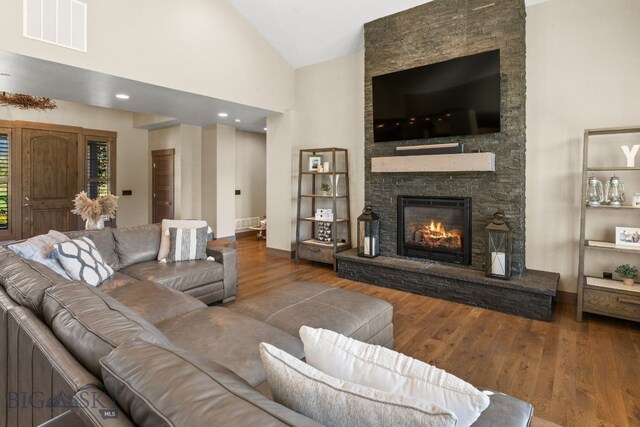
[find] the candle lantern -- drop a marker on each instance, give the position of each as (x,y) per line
(368,233)
(498,248)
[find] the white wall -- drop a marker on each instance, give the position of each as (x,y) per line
(251,173)
(329,113)
(218,159)
(190,191)
(330,102)
(583,64)
(163,139)
(198,46)
(187,142)
(131,150)
(281,186)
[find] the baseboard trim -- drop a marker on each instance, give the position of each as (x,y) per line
(567,297)
(280,253)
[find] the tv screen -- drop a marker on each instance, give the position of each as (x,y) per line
(456,97)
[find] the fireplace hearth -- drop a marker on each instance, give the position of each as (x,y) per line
(435,228)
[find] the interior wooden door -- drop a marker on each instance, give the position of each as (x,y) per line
(162,184)
(49,181)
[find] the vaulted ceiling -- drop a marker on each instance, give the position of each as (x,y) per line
(306,32)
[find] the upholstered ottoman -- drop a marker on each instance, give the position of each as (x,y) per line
(353,314)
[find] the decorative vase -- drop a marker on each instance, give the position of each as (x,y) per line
(627,281)
(90,224)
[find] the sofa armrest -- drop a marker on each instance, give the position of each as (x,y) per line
(96,408)
(229,260)
(66,419)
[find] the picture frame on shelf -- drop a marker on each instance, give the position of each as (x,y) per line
(314,163)
(628,236)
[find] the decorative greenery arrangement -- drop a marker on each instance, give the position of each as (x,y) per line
(627,271)
(92,210)
(27,102)
(325,187)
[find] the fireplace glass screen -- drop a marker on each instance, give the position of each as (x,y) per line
(436,228)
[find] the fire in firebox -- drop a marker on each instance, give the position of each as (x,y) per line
(435,235)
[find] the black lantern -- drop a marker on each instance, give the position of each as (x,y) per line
(368,233)
(498,248)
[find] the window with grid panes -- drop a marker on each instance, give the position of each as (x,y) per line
(4,180)
(98,168)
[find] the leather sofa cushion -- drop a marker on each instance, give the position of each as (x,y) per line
(180,276)
(116,281)
(505,410)
(104,241)
(25,281)
(229,338)
(91,324)
(289,307)
(155,302)
(137,244)
(160,386)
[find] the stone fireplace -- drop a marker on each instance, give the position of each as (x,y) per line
(431,33)
(427,34)
(435,228)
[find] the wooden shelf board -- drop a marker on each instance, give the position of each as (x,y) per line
(612,168)
(318,243)
(322,150)
(462,162)
(323,173)
(320,196)
(612,131)
(597,282)
(610,246)
(313,219)
(611,207)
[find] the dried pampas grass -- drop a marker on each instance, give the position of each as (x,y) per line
(94,209)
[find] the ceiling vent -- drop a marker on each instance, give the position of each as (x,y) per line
(60,22)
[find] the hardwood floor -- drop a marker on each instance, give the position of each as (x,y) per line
(574,374)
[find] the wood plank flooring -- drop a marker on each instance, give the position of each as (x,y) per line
(575,374)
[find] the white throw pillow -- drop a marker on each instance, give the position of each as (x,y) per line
(82,261)
(383,369)
(165,244)
(333,402)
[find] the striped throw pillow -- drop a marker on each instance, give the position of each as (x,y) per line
(187,244)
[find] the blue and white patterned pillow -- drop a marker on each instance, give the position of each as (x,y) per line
(82,261)
(39,249)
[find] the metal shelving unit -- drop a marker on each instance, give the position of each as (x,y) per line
(596,295)
(308,246)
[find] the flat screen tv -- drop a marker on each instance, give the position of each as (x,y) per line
(456,97)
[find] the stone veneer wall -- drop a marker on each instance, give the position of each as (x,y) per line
(435,32)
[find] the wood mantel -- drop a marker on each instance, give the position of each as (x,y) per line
(463,162)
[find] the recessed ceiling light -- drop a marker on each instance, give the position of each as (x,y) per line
(265,128)
(222,114)
(122,96)
(5,74)
(237,120)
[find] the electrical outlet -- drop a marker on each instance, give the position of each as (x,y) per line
(607,275)
(127,192)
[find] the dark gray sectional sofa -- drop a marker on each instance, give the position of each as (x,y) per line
(144,348)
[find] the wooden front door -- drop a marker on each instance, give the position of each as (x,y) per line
(49,181)
(162,183)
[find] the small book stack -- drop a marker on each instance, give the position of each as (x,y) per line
(422,150)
